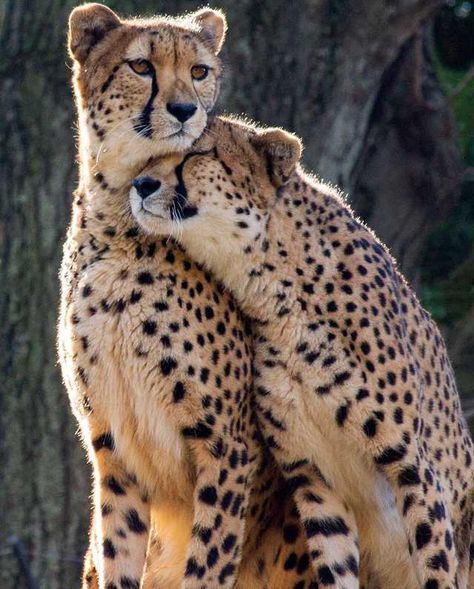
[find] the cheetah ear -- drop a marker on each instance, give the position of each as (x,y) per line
(88,25)
(281,151)
(213,25)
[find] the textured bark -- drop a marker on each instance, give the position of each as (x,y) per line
(411,152)
(44,490)
(334,71)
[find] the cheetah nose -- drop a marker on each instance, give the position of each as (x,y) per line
(146,186)
(181,110)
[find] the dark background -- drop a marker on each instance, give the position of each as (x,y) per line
(382,93)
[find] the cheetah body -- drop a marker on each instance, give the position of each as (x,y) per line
(154,354)
(355,393)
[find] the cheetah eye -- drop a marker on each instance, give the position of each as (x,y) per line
(199,72)
(142,67)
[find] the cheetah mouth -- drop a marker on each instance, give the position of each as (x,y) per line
(146,212)
(182,133)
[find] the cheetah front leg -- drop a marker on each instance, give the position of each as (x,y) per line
(419,495)
(422,505)
(121,519)
(224,472)
(329,524)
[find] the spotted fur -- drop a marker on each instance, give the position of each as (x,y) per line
(354,389)
(154,354)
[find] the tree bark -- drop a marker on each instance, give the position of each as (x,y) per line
(44,490)
(340,73)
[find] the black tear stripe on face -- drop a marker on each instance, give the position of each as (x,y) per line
(179,208)
(143,125)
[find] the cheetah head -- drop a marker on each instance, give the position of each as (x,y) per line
(217,198)
(144,86)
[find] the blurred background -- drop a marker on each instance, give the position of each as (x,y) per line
(381,91)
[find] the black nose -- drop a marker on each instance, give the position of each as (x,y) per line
(181,110)
(146,185)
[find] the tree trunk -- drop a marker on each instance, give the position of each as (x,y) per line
(44,490)
(343,74)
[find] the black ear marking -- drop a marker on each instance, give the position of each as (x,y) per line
(88,25)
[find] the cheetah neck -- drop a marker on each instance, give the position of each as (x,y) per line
(278,283)
(266,281)
(102,224)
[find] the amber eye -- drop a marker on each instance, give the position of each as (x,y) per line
(142,67)
(199,72)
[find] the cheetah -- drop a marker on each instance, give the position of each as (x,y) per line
(155,355)
(354,390)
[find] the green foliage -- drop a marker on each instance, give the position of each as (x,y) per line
(463,104)
(451,246)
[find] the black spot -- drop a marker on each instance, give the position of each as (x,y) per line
(203,533)
(297,482)
(370,427)
(325,576)
(208,312)
(227,500)
(423,535)
(409,476)
(342,377)
(106,509)
(204,376)
(161,306)
(391,455)
(439,561)
(229,542)
(365,347)
(167,365)
(408,502)
(105,440)
(291,533)
(134,522)
(135,296)
(303,564)
(149,327)
(145,278)
(109,549)
(129,583)
(327,526)
(212,557)
(351,564)
(112,483)
(200,431)
(290,562)
(208,495)
(342,414)
(226,571)
(362,394)
(179,392)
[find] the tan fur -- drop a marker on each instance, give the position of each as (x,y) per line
(154,354)
(355,392)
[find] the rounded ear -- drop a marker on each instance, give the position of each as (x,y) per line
(213,25)
(88,24)
(281,151)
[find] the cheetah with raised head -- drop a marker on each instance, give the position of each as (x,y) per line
(154,354)
(354,391)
